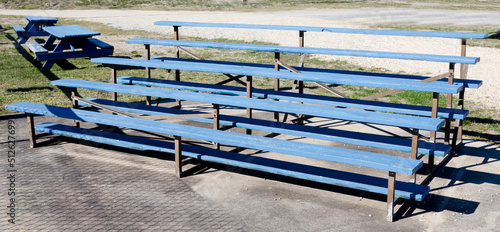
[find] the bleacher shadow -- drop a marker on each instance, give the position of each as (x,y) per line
(495,139)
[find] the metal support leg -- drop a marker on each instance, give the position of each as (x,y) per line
(74,104)
(276,81)
(216,122)
(435,104)
(31,128)
(177,55)
(249,95)
(414,151)
(178,156)
(390,196)
(449,104)
(113,79)
(147,55)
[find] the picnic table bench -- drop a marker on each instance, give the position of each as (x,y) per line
(74,42)
(34,27)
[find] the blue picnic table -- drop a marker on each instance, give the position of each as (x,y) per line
(74,42)
(34,27)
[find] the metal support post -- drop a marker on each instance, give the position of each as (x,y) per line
(249,95)
(178,156)
(216,122)
(31,128)
(390,196)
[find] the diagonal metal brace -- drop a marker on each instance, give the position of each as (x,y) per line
(143,116)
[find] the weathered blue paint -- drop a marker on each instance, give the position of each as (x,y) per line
(100,43)
(321,76)
(18,28)
(300,171)
(296,97)
(328,134)
(455,35)
(46,19)
(334,154)
(423,123)
(69,31)
(309,50)
(73,54)
(36,48)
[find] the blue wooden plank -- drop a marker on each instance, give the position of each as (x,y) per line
(456,35)
(322,77)
(100,43)
(423,123)
(41,19)
(328,134)
(74,54)
(466,83)
(69,31)
(290,96)
(300,171)
(309,50)
(333,154)
(36,48)
(18,28)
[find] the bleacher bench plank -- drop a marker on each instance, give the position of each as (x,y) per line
(455,35)
(322,175)
(467,83)
(265,71)
(360,158)
(309,50)
(296,97)
(423,123)
(328,134)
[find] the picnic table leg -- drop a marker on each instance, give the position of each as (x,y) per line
(178,156)
(390,196)
(148,70)
(216,123)
(249,95)
(24,36)
(31,128)
(59,48)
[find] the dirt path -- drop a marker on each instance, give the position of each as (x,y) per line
(487,69)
